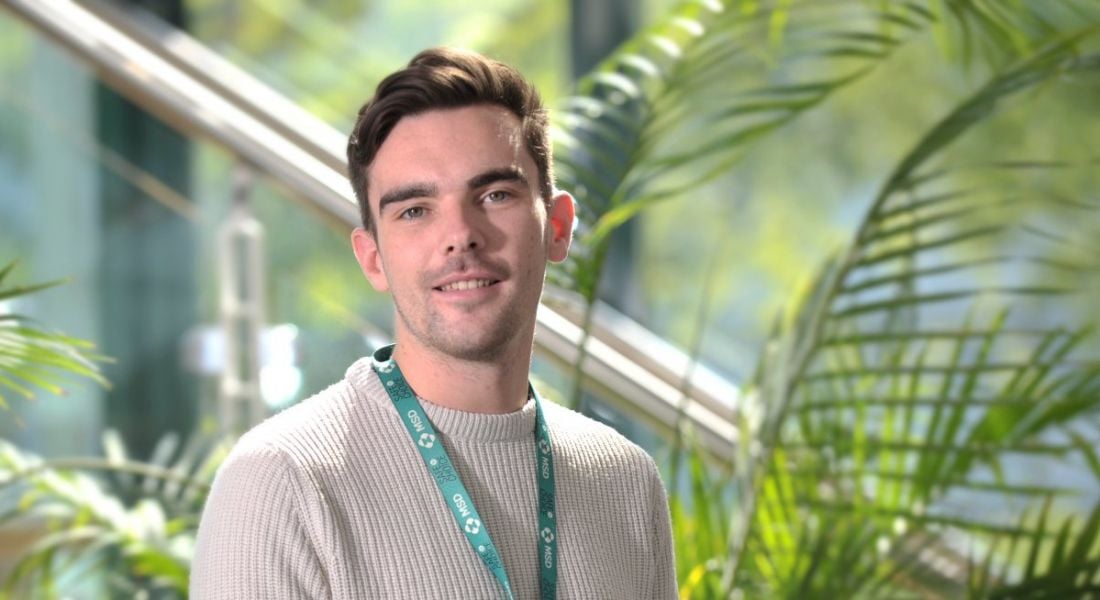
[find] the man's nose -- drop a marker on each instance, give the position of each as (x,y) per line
(462,229)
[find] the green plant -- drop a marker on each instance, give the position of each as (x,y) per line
(133,520)
(889,390)
(139,517)
(33,357)
(948,342)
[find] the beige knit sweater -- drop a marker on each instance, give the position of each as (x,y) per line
(329,499)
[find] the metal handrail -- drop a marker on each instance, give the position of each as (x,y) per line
(236,85)
(179,80)
(142,73)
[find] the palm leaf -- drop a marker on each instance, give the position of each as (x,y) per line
(664,108)
(31,357)
(903,379)
(662,115)
(678,105)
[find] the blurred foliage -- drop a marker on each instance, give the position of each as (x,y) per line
(32,357)
(142,515)
(131,520)
(804,186)
(896,438)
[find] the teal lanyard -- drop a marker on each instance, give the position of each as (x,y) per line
(454,493)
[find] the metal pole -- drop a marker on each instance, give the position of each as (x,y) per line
(241,304)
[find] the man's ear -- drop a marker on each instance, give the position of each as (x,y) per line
(561,216)
(369,258)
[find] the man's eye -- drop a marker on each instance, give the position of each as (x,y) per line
(413,212)
(497,196)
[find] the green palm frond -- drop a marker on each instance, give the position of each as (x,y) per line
(683,101)
(943,343)
(31,357)
(136,518)
(917,361)
(1070,570)
(678,105)
(700,519)
(997,33)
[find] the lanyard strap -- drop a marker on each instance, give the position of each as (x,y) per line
(442,469)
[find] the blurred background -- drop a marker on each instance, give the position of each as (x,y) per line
(837,267)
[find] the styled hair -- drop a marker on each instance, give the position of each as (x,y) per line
(444,78)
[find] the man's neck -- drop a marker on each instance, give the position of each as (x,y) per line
(493,387)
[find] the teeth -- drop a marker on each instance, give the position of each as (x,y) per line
(467,284)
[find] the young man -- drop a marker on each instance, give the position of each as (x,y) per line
(433,470)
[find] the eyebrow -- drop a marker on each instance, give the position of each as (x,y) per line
(511,173)
(405,192)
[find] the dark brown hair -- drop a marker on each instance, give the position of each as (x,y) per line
(442,78)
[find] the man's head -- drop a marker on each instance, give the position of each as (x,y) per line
(451,164)
(444,78)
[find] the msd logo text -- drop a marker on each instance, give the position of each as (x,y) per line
(460,504)
(414,418)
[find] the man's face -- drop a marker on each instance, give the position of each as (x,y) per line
(462,235)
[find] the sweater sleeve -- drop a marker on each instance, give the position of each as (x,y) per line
(253,540)
(664,585)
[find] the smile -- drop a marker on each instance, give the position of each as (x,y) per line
(466,284)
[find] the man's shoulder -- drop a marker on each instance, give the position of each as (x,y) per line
(307,439)
(577,435)
(319,421)
(296,428)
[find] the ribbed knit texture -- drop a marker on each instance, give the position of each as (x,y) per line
(330,499)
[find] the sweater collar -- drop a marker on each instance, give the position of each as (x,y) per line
(454,424)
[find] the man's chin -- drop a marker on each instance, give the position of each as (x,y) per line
(485,337)
(474,350)
(471,343)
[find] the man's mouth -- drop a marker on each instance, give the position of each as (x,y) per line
(467,284)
